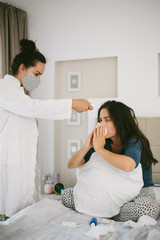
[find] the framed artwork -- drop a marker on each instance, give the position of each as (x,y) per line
(72,147)
(75,118)
(73,81)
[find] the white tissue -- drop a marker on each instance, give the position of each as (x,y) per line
(93,104)
(105,220)
(143,221)
(97,231)
(98,124)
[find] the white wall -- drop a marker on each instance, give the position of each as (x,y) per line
(79,29)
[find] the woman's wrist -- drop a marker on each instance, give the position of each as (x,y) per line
(99,150)
(84,149)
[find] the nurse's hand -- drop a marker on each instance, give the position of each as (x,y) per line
(81,105)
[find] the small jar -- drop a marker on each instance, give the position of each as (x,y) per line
(48,188)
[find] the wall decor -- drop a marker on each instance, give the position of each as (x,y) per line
(73,81)
(72,147)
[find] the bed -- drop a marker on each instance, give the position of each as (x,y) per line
(49,219)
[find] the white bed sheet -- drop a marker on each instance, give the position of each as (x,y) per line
(42,221)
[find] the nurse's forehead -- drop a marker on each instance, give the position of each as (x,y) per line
(39,67)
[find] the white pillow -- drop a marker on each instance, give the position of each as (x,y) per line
(102,189)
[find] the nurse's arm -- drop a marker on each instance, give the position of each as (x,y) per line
(15,101)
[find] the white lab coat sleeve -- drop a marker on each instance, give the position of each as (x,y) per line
(17,102)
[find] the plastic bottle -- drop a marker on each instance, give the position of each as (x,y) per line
(93,222)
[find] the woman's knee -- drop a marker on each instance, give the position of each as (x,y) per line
(147,206)
(127,212)
(67,198)
(143,205)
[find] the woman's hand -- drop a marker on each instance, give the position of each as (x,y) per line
(99,138)
(89,142)
(77,159)
(81,105)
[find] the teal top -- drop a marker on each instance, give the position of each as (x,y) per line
(133,150)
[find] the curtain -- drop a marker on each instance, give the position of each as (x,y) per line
(13,27)
(0,59)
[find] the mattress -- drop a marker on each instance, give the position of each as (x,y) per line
(44,221)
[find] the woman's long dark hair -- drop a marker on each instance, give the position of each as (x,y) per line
(127,128)
(29,56)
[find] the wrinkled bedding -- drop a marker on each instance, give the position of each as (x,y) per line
(43,221)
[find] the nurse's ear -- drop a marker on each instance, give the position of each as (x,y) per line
(22,71)
(22,68)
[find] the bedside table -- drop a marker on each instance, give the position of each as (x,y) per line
(51,196)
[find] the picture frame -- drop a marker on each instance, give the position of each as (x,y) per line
(75,118)
(72,147)
(73,81)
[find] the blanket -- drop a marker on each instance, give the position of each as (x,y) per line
(44,221)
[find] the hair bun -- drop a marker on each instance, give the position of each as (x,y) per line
(27,46)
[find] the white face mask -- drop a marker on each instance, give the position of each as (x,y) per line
(30,82)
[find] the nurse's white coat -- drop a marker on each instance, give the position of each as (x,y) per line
(18,142)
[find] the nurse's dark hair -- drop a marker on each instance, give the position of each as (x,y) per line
(28,56)
(127,128)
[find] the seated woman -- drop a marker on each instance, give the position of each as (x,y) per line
(114,176)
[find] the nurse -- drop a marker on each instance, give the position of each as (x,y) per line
(18,127)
